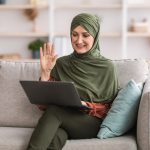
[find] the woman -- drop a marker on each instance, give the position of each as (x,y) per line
(94,77)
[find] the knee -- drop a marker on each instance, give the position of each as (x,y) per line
(53,109)
(52,113)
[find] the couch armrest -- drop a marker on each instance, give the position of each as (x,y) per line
(143,120)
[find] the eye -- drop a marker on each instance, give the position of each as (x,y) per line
(74,34)
(86,35)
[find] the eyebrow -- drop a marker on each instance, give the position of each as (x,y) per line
(82,32)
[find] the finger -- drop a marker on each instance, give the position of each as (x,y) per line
(48,49)
(55,58)
(50,45)
(44,51)
(52,50)
(41,52)
(41,56)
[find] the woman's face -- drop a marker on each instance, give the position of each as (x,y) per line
(81,40)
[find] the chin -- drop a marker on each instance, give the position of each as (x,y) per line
(80,51)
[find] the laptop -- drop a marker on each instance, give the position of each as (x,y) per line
(54,92)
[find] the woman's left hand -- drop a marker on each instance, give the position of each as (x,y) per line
(84,103)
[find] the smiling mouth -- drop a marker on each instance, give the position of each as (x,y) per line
(80,46)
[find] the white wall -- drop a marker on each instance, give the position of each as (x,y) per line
(138,46)
(15,21)
(111,47)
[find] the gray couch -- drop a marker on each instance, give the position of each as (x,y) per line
(18,117)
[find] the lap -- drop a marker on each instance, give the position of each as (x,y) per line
(76,123)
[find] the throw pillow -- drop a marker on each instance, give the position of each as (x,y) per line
(123,113)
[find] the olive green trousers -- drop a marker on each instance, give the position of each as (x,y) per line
(58,124)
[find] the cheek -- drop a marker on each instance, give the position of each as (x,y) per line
(73,39)
(90,43)
(73,42)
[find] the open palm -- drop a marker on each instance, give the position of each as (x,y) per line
(47,57)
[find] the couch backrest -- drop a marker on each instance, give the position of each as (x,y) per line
(16,110)
(137,69)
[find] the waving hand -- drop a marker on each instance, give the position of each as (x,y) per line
(47,60)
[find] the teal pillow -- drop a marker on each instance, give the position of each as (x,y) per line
(123,113)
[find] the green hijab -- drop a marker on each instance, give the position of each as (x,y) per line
(93,75)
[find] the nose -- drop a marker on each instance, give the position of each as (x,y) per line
(79,39)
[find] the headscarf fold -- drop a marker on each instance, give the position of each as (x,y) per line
(93,75)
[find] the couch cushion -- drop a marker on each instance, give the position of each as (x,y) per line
(15,109)
(122,115)
(12,138)
(18,138)
(127,142)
